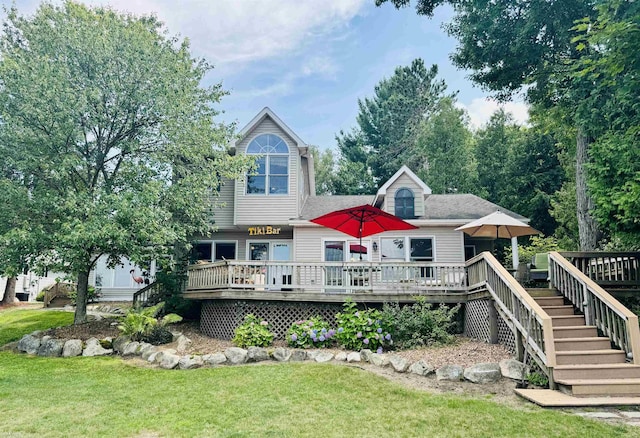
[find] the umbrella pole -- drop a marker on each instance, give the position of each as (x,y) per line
(360,233)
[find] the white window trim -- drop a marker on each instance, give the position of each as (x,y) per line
(365,242)
(267,175)
(407,248)
(270,243)
(213,247)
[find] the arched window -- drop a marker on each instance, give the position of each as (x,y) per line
(272,174)
(405,204)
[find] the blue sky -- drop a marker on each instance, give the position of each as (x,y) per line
(308,60)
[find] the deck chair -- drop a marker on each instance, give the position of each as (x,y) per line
(540,267)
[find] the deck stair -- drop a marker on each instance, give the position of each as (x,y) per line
(587,366)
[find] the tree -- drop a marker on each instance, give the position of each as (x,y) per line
(510,45)
(103,119)
(324,166)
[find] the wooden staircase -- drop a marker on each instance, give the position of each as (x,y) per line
(586,365)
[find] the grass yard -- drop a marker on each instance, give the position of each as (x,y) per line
(109,397)
(16,322)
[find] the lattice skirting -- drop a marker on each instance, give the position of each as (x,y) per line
(476,324)
(219,318)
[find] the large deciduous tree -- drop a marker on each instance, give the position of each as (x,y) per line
(107,127)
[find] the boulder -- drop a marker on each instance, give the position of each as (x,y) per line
(93,348)
(190,362)
(298,355)
(513,369)
(130,348)
(365,355)
(421,368)
(312,354)
(144,346)
(354,356)
(152,357)
(72,348)
(157,358)
(51,348)
(236,355)
(342,356)
(257,354)
(29,344)
(183,344)
(119,343)
(379,360)
(214,359)
(450,372)
(399,363)
(324,356)
(282,354)
(483,373)
(169,361)
(147,352)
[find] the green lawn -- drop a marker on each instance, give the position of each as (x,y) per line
(108,397)
(16,322)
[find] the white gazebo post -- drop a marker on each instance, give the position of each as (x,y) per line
(515,257)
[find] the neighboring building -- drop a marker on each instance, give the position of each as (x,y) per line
(265,216)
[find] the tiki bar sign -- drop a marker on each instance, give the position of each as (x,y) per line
(263,231)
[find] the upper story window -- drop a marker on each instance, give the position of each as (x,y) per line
(272,174)
(405,204)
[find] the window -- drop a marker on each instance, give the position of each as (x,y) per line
(407,249)
(272,173)
(421,249)
(405,204)
(225,250)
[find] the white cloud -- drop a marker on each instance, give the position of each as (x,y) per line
(480,111)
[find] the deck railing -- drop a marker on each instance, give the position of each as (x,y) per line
(599,307)
(327,277)
(533,325)
(608,269)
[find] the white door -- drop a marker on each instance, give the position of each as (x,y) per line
(280,276)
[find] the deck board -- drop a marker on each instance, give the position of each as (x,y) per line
(555,399)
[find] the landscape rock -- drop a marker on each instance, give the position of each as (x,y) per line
(324,356)
(183,343)
(450,372)
(175,335)
(399,363)
(354,356)
(298,355)
(152,357)
(342,356)
(36,333)
(513,369)
(365,355)
(483,373)
(51,348)
(169,361)
(29,344)
(157,358)
(72,348)
(147,352)
(214,359)
(93,348)
(421,368)
(282,354)
(236,355)
(380,360)
(257,354)
(190,362)
(119,343)
(131,348)
(312,354)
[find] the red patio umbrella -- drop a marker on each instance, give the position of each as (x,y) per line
(361,221)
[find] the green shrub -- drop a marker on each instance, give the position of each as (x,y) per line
(311,333)
(420,324)
(538,378)
(253,332)
(139,323)
(360,329)
(40,296)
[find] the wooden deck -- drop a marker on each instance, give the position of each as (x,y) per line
(556,399)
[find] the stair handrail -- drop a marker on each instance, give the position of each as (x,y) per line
(600,308)
(141,296)
(514,301)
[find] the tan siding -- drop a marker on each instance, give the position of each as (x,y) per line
(265,209)
(404,181)
(242,237)
(223,204)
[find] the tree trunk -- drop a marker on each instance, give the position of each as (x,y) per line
(9,291)
(81,298)
(588,229)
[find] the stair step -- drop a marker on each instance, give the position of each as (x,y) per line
(564,310)
(582,344)
(542,292)
(601,371)
(556,399)
(565,321)
(589,357)
(579,331)
(609,387)
(549,301)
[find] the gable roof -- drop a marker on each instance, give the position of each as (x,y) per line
(266,111)
(318,205)
(404,169)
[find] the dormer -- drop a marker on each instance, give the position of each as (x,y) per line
(283,179)
(403,195)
